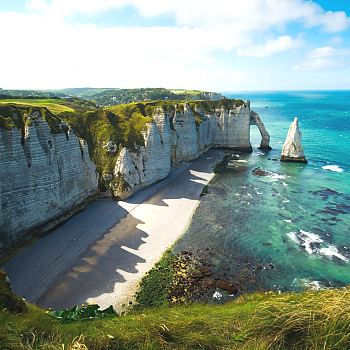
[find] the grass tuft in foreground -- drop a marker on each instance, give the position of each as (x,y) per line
(309,320)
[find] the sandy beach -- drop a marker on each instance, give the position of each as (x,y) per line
(101,254)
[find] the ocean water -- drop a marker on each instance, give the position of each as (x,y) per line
(281,226)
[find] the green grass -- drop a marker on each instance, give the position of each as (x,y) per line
(54,106)
(23,112)
(155,285)
(309,320)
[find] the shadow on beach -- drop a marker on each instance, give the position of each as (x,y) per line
(93,251)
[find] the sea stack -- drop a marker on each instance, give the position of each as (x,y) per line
(292,150)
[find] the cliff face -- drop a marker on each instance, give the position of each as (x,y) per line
(42,177)
(292,150)
(210,96)
(181,136)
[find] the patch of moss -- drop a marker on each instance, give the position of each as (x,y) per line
(155,285)
(218,168)
(8,300)
(21,116)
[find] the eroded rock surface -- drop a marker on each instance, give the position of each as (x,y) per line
(292,150)
(42,177)
(180,136)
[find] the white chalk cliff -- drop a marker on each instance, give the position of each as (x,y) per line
(292,150)
(43,176)
(175,138)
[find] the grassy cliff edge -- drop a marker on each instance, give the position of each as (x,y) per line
(308,320)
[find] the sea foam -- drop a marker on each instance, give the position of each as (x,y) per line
(333,168)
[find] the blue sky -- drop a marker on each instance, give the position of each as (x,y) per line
(216,45)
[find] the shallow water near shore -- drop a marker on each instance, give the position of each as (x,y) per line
(281,226)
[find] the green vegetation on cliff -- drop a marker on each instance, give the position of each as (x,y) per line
(54,105)
(115,97)
(104,97)
(121,124)
(13,115)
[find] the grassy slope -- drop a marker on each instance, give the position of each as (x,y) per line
(55,106)
(309,320)
(23,112)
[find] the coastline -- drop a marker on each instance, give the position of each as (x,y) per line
(102,253)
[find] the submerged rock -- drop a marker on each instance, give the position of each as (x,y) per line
(227,285)
(292,150)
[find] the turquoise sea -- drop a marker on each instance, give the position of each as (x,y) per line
(281,226)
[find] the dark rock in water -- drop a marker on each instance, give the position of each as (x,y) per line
(227,285)
(259,267)
(259,172)
(344,207)
(344,251)
(340,209)
(325,193)
(209,283)
(338,261)
(204,271)
(267,244)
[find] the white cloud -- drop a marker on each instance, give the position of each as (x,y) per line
(38,5)
(320,58)
(332,22)
(231,14)
(282,43)
(179,55)
(317,64)
(91,56)
(327,51)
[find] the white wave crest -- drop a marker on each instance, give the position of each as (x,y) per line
(333,168)
(306,239)
(333,251)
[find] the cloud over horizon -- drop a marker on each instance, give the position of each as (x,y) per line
(195,42)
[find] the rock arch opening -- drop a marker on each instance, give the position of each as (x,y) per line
(265,137)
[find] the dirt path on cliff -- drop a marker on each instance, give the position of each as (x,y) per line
(101,254)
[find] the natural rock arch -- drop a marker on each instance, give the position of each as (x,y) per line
(265,137)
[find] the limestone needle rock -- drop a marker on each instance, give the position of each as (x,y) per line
(292,150)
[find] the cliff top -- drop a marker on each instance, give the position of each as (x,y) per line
(111,96)
(307,320)
(19,116)
(123,124)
